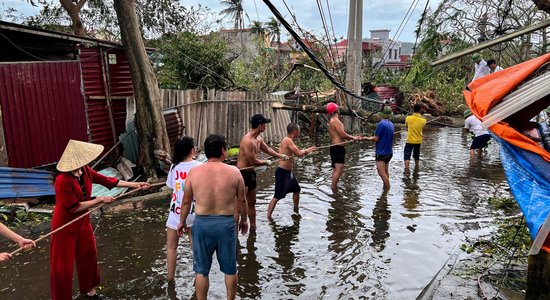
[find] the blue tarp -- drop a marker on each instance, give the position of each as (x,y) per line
(528,176)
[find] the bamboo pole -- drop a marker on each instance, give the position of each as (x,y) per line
(85,214)
(493,42)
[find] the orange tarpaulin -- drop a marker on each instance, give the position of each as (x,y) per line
(486,92)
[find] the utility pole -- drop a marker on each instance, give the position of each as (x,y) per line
(354,58)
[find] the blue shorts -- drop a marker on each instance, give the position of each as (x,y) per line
(412,148)
(214,234)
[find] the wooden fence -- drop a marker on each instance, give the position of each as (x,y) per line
(226,113)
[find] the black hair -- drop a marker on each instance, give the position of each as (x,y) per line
(417,107)
(291,127)
(213,145)
(182,148)
(491,61)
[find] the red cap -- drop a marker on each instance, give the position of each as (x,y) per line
(332,108)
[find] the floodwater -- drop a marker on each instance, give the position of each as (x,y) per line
(360,243)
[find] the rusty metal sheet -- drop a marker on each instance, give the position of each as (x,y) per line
(119,73)
(42,108)
(119,85)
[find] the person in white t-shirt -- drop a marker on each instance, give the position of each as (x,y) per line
(493,67)
(481,134)
(184,151)
(480,67)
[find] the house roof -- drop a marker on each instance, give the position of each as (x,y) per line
(27,30)
(365,45)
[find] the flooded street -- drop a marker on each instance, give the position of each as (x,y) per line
(356,244)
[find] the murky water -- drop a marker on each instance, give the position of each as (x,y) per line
(359,243)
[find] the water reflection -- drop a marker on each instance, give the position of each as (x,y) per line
(380,216)
(350,245)
(411,194)
(248,268)
(286,237)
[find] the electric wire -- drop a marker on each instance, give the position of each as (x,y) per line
(325,28)
(314,57)
(399,30)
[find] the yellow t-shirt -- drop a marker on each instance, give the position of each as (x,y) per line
(415,123)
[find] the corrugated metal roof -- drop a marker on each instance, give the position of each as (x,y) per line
(119,74)
(25,183)
(42,108)
(119,85)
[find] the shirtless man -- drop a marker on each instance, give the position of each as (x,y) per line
(285,181)
(218,190)
(251,144)
(337,138)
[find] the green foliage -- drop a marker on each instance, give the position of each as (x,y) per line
(19,217)
(190,61)
(156,17)
(259,73)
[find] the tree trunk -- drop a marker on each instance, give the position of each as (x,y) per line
(538,272)
(74,13)
(149,119)
(543,5)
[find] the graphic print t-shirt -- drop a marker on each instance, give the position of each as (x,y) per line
(176,181)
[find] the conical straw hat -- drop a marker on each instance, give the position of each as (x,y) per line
(78,154)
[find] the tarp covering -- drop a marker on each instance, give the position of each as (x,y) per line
(526,164)
(528,176)
(487,91)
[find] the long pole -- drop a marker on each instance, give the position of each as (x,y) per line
(85,214)
(490,43)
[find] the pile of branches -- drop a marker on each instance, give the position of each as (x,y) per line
(429,101)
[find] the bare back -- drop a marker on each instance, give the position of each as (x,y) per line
(215,187)
(336,131)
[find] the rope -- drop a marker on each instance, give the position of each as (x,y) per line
(87,213)
(330,145)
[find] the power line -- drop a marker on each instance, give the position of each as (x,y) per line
(400,28)
(325,27)
(312,55)
(22,50)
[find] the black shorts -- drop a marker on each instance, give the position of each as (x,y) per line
(384,157)
(337,155)
(249,177)
(480,141)
(414,149)
(285,182)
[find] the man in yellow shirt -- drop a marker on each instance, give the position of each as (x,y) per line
(415,123)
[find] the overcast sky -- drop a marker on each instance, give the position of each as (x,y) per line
(378,14)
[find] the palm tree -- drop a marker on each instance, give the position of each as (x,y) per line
(234,9)
(274,28)
(257,27)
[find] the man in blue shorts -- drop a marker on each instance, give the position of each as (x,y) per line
(383,136)
(218,189)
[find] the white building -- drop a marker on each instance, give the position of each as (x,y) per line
(390,49)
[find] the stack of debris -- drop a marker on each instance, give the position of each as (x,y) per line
(430,103)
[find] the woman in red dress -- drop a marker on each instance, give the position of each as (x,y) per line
(76,242)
